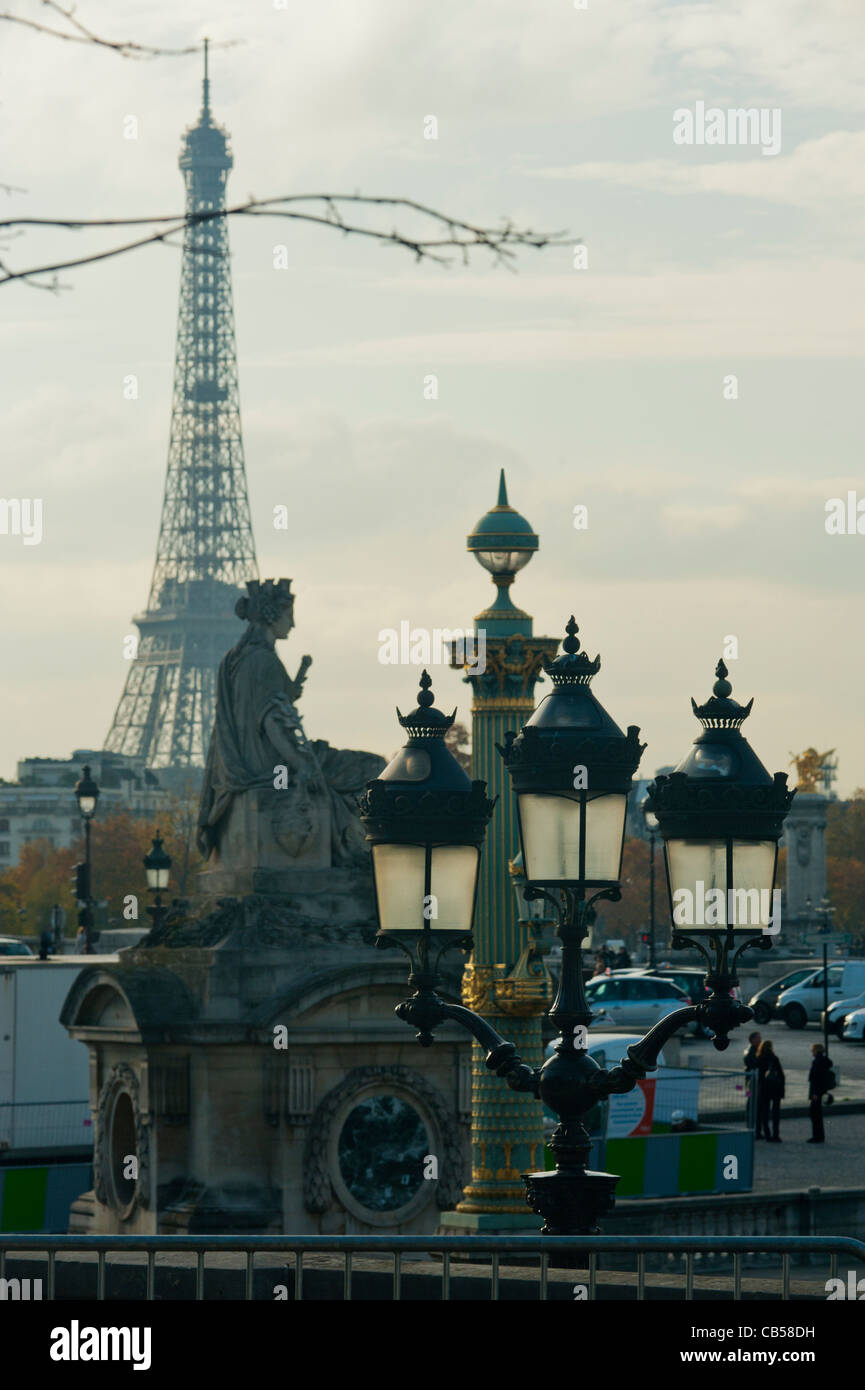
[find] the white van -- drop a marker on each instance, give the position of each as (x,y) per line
(804,1002)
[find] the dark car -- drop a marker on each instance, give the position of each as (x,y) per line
(764,1001)
(11,946)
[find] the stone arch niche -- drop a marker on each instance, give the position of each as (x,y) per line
(335,1126)
(122,1144)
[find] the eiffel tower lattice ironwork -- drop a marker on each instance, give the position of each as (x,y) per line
(206,550)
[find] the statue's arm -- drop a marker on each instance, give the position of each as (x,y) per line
(282,727)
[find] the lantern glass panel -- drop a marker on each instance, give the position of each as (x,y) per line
(399,885)
(503,561)
(87,806)
(551,836)
(753,879)
(695,867)
(452,884)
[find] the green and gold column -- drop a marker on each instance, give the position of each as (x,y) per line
(506,979)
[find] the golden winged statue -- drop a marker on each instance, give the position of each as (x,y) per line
(810,769)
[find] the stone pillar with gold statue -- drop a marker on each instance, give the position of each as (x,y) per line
(506,980)
(807,917)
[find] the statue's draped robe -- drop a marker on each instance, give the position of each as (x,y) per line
(252,684)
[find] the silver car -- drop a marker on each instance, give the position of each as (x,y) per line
(632,1000)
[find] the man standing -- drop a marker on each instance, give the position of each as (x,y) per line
(754,1040)
(819,1082)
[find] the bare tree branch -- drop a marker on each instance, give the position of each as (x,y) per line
(126,49)
(452,233)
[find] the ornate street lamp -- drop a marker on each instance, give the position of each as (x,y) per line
(503,542)
(426,821)
(87,795)
(720,815)
(157,867)
(571,768)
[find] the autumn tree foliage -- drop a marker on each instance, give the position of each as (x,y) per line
(119,843)
(845,865)
(629,918)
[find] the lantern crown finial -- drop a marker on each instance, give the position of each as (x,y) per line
(426,722)
(571,644)
(720,712)
(572,667)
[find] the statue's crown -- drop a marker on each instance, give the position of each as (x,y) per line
(265,600)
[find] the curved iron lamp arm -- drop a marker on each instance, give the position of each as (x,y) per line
(571,1083)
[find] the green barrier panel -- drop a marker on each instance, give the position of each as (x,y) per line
(628,1158)
(23,1199)
(698,1157)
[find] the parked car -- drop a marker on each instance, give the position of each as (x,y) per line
(765,1001)
(689,978)
(854,1026)
(14,946)
(836,1014)
(639,1001)
(804,1002)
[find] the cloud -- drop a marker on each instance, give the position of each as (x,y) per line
(828,170)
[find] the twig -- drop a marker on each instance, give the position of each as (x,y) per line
(459,236)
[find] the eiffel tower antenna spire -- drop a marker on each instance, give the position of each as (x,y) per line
(205,95)
(205,552)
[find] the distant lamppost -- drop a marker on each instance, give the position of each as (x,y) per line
(157,867)
(651,823)
(87,795)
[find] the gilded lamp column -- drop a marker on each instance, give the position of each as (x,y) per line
(506,980)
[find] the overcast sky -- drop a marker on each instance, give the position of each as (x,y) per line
(602,386)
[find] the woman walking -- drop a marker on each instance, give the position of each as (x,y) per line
(770,1091)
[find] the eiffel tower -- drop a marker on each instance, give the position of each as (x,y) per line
(206,550)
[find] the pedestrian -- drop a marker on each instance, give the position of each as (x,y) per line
(754,1040)
(750,1063)
(600,965)
(770,1091)
(80,942)
(45,944)
(820,1080)
(623,958)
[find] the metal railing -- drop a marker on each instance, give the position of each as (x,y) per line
(334,1267)
(52,1124)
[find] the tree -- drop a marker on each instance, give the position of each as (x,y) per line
(119,843)
(845,865)
(629,918)
(458,741)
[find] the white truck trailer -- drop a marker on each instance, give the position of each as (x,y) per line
(44,1080)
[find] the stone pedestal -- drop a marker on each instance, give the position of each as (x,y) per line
(236,1056)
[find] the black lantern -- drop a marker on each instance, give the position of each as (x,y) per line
(87,794)
(426,821)
(721,814)
(157,866)
(571,768)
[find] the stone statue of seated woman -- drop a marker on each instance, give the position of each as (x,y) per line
(271,798)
